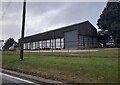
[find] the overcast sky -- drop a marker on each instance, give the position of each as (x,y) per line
(44,16)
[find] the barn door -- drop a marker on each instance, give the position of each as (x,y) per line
(71,39)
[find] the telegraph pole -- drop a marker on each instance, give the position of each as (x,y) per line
(22,32)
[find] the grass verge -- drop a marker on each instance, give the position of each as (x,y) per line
(66,69)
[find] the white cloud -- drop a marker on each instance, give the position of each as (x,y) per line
(47,16)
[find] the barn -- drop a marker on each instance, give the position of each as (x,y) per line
(77,36)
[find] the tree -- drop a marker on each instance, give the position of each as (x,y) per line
(8,44)
(103,37)
(110,20)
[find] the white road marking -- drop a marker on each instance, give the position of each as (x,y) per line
(18,78)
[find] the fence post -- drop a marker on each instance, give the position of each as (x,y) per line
(39,50)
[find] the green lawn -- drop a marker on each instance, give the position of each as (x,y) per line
(67,69)
(100,53)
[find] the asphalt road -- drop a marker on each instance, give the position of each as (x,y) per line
(9,79)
